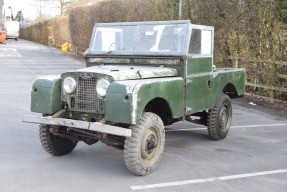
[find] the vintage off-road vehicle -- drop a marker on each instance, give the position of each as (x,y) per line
(139,77)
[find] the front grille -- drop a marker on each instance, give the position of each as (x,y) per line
(86,96)
(87,89)
(73,102)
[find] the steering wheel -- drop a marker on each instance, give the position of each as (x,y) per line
(112,46)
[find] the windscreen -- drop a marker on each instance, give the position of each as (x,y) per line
(161,39)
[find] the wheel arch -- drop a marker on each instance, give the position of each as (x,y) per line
(161,107)
(230,90)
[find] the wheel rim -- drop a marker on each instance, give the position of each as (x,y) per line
(150,146)
(224,118)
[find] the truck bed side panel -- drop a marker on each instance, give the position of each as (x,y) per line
(224,77)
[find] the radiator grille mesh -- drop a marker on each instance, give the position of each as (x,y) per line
(87,89)
(86,99)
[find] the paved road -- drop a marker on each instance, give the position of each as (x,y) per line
(252,158)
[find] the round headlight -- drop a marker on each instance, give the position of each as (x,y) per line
(69,85)
(102,86)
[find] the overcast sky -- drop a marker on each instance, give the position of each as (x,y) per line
(27,8)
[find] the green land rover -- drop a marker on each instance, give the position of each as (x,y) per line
(139,77)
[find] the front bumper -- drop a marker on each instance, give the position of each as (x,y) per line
(93,126)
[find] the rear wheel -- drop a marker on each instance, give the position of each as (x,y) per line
(219,119)
(55,145)
(143,150)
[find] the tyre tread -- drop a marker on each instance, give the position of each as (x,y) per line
(212,119)
(50,146)
(131,148)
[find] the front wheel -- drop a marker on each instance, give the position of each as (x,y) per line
(219,118)
(55,145)
(143,150)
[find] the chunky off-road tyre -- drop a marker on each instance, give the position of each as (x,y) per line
(55,145)
(143,150)
(219,118)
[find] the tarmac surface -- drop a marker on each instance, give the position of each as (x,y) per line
(253,157)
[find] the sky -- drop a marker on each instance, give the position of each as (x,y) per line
(27,8)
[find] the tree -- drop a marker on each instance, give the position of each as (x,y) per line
(41,7)
(62,4)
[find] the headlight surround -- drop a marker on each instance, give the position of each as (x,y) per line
(69,85)
(102,86)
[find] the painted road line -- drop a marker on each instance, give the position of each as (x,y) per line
(29,76)
(15,83)
(60,60)
(244,126)
(206,180)
(41,70)
(26,76)
(233,127)
(185,129)
(9,52)
(41,66)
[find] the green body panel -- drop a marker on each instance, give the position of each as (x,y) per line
(199,84)
(199,93)
(199,65)
(46,95)
(126,101)
(223,77)
(203,91)
(118,108)
(171,91)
